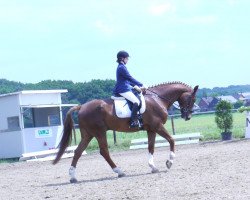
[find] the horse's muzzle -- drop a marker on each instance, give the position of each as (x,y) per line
(186,117)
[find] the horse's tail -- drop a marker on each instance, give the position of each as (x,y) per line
(67,133)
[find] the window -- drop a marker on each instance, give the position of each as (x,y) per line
(41,117)
(28,117)
(54,120)
(13,123)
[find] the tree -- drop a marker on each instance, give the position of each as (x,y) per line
(204,94)
(238,104)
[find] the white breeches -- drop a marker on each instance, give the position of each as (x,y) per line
(131,97)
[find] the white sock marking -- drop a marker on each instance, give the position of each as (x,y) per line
(117,170)
(171,156)
(72,172)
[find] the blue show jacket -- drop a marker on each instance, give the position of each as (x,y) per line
(124,81)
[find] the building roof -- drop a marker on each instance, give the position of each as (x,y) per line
(230,99)
(245,94)
(35,92)
(247,97)
(207,100)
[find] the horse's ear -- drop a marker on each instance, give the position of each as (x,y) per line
(195,89)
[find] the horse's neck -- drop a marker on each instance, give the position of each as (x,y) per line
(170,93)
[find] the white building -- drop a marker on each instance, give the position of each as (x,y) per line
(30,121)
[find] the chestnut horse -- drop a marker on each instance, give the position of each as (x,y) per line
(98,116)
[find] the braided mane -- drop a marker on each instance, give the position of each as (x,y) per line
(170,83)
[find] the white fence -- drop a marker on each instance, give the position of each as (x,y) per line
(190,138)
(247,134)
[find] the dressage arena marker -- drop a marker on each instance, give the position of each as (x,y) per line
(189,138)
(48,154)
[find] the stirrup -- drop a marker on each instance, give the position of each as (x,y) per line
(135,124)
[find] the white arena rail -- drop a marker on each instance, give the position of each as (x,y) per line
(180,139)
(48,154)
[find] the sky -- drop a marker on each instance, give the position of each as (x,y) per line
(198,42)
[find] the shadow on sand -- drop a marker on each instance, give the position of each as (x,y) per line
(105,179)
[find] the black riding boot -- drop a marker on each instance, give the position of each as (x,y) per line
(134,123)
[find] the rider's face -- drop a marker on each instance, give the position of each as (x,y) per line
(125,60)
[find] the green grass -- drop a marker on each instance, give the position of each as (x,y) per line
(123,140)
(204,124)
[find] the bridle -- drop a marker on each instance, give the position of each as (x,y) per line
(187,109)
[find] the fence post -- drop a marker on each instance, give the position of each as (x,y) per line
(172,121)
(114,134)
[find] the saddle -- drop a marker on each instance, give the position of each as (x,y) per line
(123,107)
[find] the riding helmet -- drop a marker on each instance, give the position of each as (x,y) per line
(122,54)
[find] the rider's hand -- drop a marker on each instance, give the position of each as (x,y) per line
(137,88)
(143,89)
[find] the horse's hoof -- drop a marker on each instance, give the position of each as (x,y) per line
(73,180)
(155,171)
(121,175)
(169,164)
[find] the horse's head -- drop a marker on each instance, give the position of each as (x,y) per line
(186,102)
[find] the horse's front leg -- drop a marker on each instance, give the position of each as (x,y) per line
(164,133)
(151,145)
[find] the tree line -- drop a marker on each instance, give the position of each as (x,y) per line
(81,92)
(223,91)
(78,93)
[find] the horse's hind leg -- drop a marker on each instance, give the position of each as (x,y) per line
(78,152)
(103,145)
(151,145)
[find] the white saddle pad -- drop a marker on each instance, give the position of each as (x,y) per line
(121,107)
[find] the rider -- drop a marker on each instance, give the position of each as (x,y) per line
(124,84)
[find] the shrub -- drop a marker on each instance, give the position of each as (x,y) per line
(223,116)
(244,108)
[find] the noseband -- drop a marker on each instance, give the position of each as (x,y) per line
(186,110)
